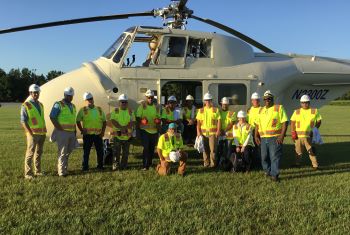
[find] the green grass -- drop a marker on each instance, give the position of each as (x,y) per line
(203,202)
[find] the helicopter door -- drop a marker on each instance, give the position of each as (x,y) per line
(172,52)
(236,90)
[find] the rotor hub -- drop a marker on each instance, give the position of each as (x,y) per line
(175,15)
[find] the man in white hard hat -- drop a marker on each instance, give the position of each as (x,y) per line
(149,123)
(63,117)
(189,120)
(171,114)
(270,130)
(209,126)
(243,142)
(91,121)
(228,118)
(303,121)
(33,122)
(123,119)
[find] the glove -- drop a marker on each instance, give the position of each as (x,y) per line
(157,121)
(294,135)
(144,121)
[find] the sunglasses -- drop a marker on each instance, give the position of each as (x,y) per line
(269,98)
(124,102)
(149,98)
(90,99)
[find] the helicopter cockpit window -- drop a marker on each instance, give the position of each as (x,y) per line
(121,50)
(176,47)
(237,93)
(110,52)
(199,48)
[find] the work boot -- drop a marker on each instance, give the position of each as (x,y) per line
(28,177)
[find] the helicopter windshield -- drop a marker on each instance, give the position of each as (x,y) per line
(110,52)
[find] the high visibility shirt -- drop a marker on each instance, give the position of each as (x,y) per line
(36,120)
(242,134)
(149,112)
(208,117)
(189,113)
(92,119)
(305,120)
(124,117)
(168,143)
(227,117)
(171,115)
(67,117)
(252,115)
(270,120)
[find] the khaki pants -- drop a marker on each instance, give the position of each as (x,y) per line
(66,143)
(209,150)
(299,143)
(163,168)
(35,145)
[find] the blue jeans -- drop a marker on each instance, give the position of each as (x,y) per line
(224,151)
(271,153)
(89,140)
(149,142)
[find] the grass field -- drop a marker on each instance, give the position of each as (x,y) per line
(203,202)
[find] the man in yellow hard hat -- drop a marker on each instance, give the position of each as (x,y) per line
(63,117)
(93,129)
(33,122)
(303,121)
(170,150)
(270,130)
(209,126)
(122,119)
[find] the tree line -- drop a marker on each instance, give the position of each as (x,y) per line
(14,84)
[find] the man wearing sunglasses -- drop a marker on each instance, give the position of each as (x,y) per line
(122,119)
(33,122)
(270,129)
(93,129)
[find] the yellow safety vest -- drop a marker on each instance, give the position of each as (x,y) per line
(92,124)
(124,118)
(209,122)
(268,121)
(252,115)
(305,120)
(241,134)
(188,113)
(67,118)
(168,114)
(168,145)
(226,119)
(150,112)
(36,120)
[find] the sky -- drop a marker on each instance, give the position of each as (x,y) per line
(313,27)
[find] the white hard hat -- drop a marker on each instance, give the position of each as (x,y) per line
(87,95)
(172,98)
(174,156)
(69,91)
(189,97)
(241,114)
(123,97)
(225,100)
(207,96)
(268,93)
(255,96)
(305,98)
(34,88)
(149,93)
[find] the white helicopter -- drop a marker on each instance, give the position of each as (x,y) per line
(190,62)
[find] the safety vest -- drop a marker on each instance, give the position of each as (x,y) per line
(252,115)
(270,125)
(209,122)
(226,119)
(189,113)
(91,123)
(305,120)
(124,118)
(36,120)
(67,118)
(150,112)
(241,134)
(171,146)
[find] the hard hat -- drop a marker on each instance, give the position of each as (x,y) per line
(87,96)
(225,100)
(149,93)
(268,93)
(172,126)
(241,114)
(69,91)
(174,156)
(34,88)
(172,98)
(189,97)
(207,96)
(305,98)
(255,96)
(123,97)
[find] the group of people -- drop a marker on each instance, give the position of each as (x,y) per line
(227,138)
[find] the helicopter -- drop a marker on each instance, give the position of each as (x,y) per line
(193,62)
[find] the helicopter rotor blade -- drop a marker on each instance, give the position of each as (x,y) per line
(234,32)
(76,21)
(182,4)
